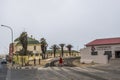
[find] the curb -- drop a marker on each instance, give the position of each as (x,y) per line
(24,67)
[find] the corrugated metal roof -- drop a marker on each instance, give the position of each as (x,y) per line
(105,41)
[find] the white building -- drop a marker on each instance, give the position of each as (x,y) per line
(101,50)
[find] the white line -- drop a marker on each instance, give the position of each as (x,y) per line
(67,70)
(79,69)
(65,78)
(57,68)
(88,69)
(8,77)
(41,68)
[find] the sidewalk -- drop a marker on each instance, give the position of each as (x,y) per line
(31,66)
(68,61)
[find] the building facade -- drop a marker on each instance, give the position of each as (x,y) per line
(33,45)
(101,50)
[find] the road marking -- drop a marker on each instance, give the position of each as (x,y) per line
(90,69)
(84,69)
(65,69)
(42,68)
(55,70)
(8,77)
(79,69)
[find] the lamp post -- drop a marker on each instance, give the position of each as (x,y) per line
(11,37)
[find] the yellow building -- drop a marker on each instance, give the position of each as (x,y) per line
(33,46)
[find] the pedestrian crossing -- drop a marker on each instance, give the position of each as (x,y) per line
(64,73)
(89,69)
(78,73)
(85,69)
(67,69)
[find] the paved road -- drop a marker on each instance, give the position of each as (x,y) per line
(103,72)
(64,73)
(3,72)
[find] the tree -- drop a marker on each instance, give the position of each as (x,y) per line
(21,52)
(23,42)
(69,46)
(62,47)
(54,48)
(43,47)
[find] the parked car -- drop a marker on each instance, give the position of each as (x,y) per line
(3,61)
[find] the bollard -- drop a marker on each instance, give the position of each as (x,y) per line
(34,62)
(39,61)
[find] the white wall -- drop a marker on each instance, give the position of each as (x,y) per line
(86,56)
(100,58)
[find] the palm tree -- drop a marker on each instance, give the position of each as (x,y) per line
(43,47)
(62,47)
(54,48)
(23,42)
(69,46)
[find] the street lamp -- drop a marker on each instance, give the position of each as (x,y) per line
(11,36)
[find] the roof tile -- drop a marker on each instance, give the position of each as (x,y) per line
(105,41)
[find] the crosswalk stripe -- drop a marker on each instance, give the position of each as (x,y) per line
(87,69)
(74,68)
(95,70)
(80,69)
(41,68)
(65,69)
(55,70)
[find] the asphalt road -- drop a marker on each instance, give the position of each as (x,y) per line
(64,73)
(3,71)
(103,72)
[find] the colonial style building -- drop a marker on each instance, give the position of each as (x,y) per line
(101,50)
(33,45)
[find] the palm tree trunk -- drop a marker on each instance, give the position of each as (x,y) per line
(54,53)
(70,52)
(62,52)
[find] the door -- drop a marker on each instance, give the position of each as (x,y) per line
(117,54)
(109,54)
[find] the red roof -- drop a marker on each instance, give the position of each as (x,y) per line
(106,41)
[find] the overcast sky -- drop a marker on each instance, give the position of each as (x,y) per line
(75,22)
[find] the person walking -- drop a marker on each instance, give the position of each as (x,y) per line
(60,61)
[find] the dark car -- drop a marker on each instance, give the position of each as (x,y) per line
(3,61)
